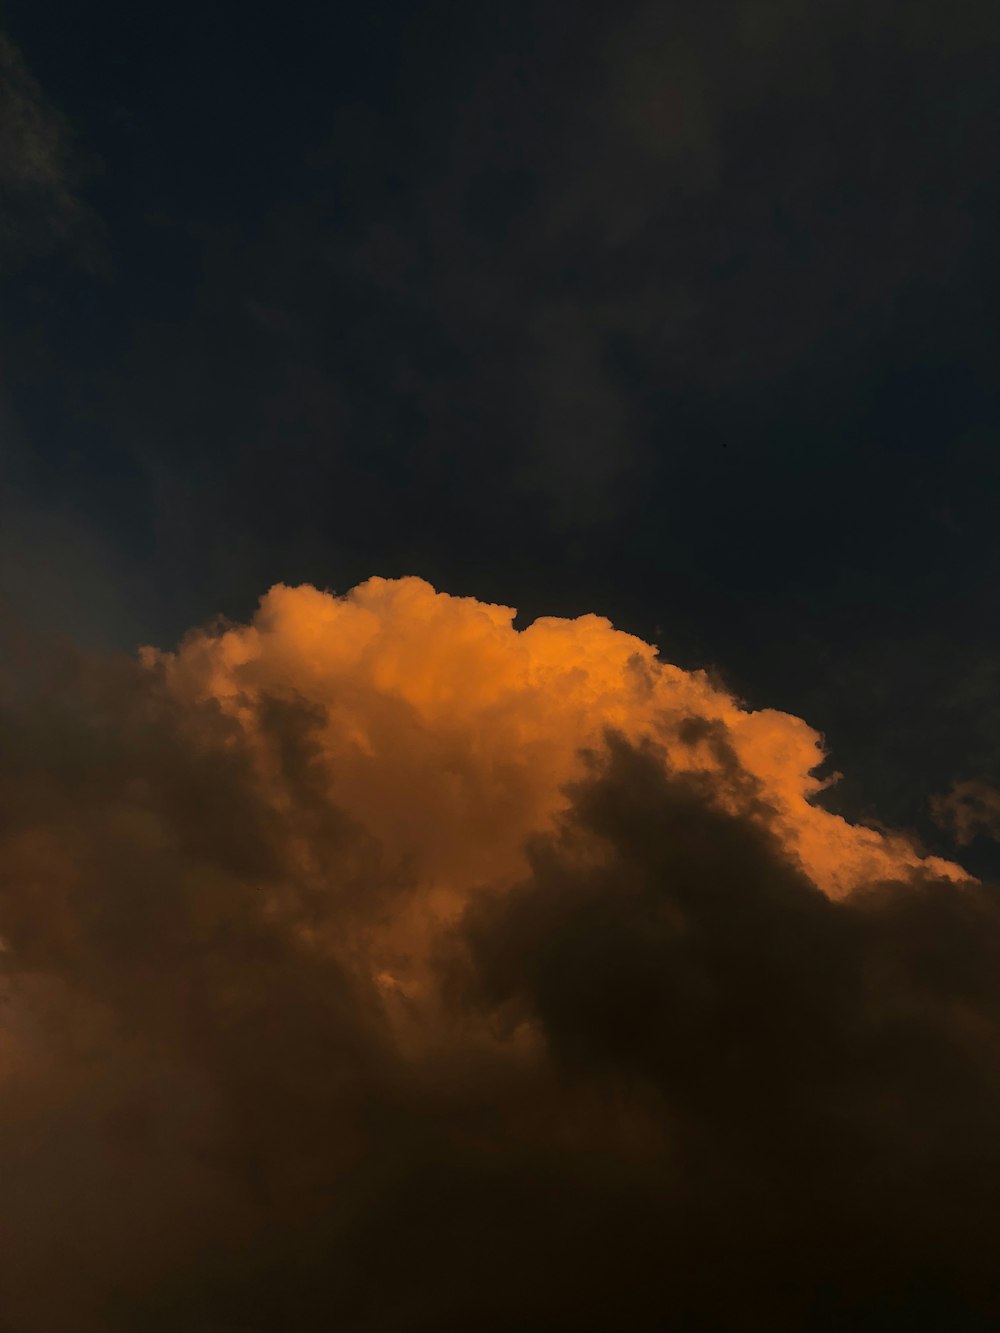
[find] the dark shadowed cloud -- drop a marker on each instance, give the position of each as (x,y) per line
(821,1076)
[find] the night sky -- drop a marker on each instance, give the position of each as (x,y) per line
(367,963)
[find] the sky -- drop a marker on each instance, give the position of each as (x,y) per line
(500,694)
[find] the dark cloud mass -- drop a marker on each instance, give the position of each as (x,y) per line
(649,1077)
(822,1077)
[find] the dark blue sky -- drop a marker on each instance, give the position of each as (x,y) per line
(682,313)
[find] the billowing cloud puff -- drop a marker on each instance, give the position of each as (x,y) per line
(378,966)
(451,735)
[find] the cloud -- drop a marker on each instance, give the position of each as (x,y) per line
(40,171)
(818,1076)
(971,808)
(376,964)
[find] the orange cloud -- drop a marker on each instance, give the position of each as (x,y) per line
(451,735)
(378,964)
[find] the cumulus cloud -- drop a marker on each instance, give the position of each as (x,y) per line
(376,965)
